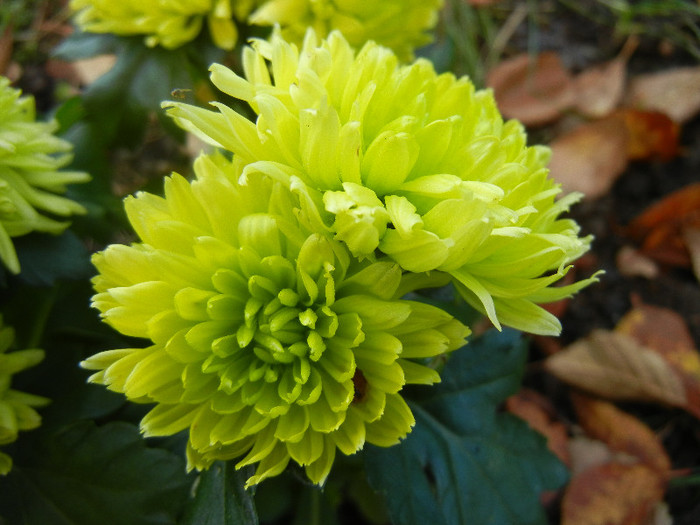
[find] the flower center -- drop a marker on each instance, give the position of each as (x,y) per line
(273,358)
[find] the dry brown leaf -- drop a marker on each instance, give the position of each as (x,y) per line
(633,263)
(615,366)
(599,90)
(612,494)
(665,332)
(591,157)
(622,432)
(660,227)
(586,453)
(651,135)
(534,90)
(539,413)
(675,92)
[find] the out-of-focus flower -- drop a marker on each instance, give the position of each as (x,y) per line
(30,157)
(269,339)
(16,408)
(405,162)
(402,25)
(169,23)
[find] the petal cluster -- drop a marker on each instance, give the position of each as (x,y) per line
(30,180)
(269,340)
(168,23)
(401,25)
(16,408)
(401,161)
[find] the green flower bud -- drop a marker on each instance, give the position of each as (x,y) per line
(30,157)
(16,408)
(401,25)
(404,162)
(168,23)
(269,341)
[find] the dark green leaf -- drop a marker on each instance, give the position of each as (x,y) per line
(68,113)
(81,45)
(46,258)
(465,462)
(221,499)
(84,475)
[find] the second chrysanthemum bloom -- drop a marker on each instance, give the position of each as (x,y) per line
(402,25)
(269,340)
(169,23)
(402,161)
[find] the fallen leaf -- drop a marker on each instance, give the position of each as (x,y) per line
(539,413)
(650,135)
(675,92)
(660,227)
(534,90)
(622,432)
(665,332)
(599,90)
(691,236)
(612,494)
(590,158)
(615,366)
(586,453)
(633,263)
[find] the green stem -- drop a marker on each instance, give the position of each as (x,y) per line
(315,507)
(41,318)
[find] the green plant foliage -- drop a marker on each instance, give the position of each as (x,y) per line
(465,462)
(47,258)
(221,499)
(118,104)
(85,474)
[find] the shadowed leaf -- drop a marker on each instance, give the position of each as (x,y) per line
(465,462)
(83,475)
(221,499)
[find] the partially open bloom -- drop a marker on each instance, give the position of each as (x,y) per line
(168,23)
(30,180)
(402,161)
(16,408)
(269,339)
(402,25)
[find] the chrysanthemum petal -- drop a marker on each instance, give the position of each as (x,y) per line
(394,424)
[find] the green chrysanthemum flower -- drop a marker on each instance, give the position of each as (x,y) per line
(268,339)
(402,25)
(16,408)
(30,157)
(399,159)
(169,23)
